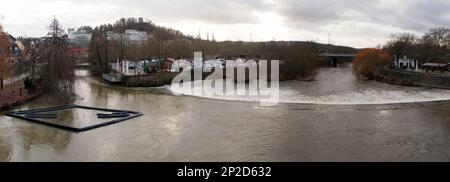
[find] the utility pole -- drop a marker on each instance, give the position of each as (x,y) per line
(329,42)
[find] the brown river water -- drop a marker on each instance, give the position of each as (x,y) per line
(336,118)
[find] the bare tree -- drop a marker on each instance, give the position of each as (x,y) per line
(55,30)
(59,75)
(438,36)
(402,44)
(4,56)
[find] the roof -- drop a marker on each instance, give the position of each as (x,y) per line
(20,45)
(11,38)
(435,64)
(170,60)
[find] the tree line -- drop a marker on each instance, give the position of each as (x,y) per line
(4,55)
(46,61)
(300,58)
(435,44)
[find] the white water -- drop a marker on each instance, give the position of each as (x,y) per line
(338,86)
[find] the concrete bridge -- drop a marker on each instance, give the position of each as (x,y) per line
(338,58)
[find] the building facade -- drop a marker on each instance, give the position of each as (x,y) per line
(406,63)
(79,42)
(130,36)
(16,48)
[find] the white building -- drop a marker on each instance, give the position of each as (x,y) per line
(130,36)
(79,38)
(135,36)
(406,63)
(70,32)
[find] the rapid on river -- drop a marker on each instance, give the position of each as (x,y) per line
(335,118)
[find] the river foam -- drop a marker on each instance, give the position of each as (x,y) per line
(367,96)
(338,86)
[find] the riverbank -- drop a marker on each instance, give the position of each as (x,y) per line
(409,78)
(150,80)
(165,78)
(16,94)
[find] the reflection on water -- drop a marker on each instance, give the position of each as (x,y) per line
(177,128)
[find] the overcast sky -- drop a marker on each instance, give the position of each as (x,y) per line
(359,23)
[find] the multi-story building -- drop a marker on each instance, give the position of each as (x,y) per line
(135,36)
(130,36)
(79,42)
(79,38)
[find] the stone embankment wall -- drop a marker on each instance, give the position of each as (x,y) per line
(151,80)
(16,93)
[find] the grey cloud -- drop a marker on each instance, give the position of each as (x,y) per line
(216,12)
(320,11)
(315,17)
(414,15)
(417,15)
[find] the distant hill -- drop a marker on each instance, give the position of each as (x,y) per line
(177,44)
(301,56)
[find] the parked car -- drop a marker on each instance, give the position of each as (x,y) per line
(132,66)
(143,63)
